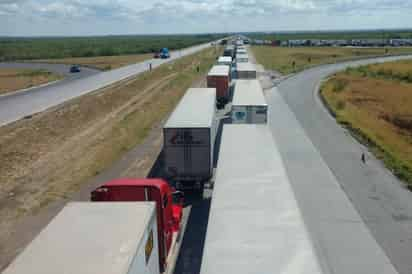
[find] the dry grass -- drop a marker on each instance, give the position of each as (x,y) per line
(378,110)
(17,79)
(51,155)
(101,62)
(281,59)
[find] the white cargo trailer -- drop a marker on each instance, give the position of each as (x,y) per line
(189,137)
(255,224)
(242,58)
(94,238)
(225,60)
(241,51)
(246,71)
(249,104)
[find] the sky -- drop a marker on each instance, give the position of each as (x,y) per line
(105,17)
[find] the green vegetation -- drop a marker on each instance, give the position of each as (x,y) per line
(375,103)
(290,60)
(51,48)
(343,35)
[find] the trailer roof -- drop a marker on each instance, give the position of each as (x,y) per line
(225,59)
(255,224)
(242,50)
(242,55)
(248,93)
(219,70)
(195,110)
(245,67)
(87,238)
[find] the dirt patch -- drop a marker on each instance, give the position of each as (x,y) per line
(17,79)
(51,155)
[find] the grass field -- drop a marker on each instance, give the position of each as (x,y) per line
(17,79)
(101,62)
(282,59)
(324,35)
(54,48)
(48,157)
(375,102)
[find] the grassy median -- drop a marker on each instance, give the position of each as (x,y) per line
(290,60)
(50,155)
(13,79)
(375,103)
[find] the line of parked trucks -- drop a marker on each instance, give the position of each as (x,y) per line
(136,225)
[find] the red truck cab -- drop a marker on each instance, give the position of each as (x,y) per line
(169,212)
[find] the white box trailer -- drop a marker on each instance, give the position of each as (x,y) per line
(94,238)
(246,71)
(241,51)
(249,104)
(189,137)
(225,60)
(242,58)
(255,224)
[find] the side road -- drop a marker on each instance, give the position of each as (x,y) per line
(383,203)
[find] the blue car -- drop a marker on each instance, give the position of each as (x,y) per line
(74,69)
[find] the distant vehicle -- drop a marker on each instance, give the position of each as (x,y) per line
(74,69)
(164,53)
(156,55)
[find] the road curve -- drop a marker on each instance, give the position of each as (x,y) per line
(20,105)
(323,163)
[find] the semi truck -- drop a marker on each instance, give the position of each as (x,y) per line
(189,137)
(242,58)
(168,210)
(164,53)
(255,224)
(246,71)
(134,228)
(249,104)
(219,78)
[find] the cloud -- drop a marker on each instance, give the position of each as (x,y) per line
(177,16)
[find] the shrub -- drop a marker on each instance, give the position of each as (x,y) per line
(340,105)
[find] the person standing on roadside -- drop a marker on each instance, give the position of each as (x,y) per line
(363,158)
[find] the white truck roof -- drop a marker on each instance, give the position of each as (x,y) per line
(219,70)
(255,224)
(248,93)
(225,59)
(87,238)
(242,55)
(245,67)
(195,110)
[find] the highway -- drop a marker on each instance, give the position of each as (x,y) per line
(337,194)
(23,104)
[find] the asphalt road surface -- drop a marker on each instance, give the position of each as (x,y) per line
(20,105)
(61,69)
(338,194)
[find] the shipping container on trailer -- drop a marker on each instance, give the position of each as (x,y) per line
(229,51)
(225,60)
(242,58)
(246,71)
(249,104)
(189,137)
(94,238)
(219,78)
(255,224)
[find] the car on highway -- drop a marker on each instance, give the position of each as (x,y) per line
(74,69)
(156,55)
